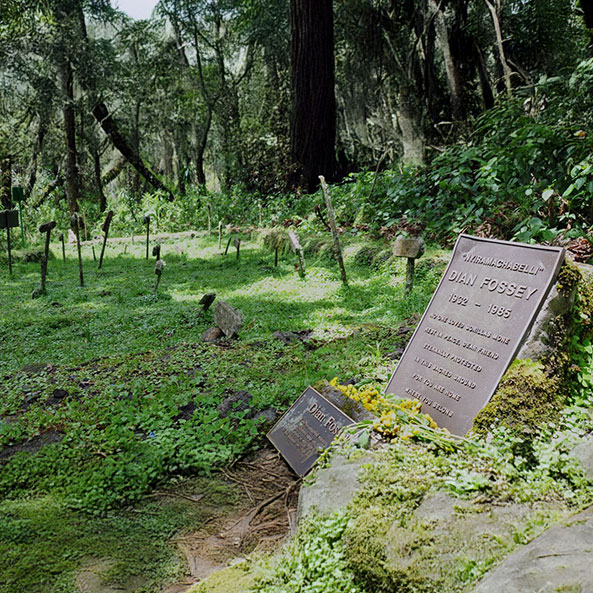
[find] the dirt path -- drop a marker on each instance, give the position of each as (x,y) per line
(262,519)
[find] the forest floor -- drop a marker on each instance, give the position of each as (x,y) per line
(117,471)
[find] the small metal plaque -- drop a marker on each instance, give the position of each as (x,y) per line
(309,426)
(9,219)
(473,327)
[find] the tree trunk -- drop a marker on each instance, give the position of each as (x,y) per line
(72,180)
(111,128)
(454,78)
(99,180)
(587,7)
(32,176)
(409,119)
(313,119)
(506,69)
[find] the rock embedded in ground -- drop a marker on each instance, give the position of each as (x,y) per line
(227,318)
(561,559)
(288,338)
(239,401)
(333,489)
(213,334)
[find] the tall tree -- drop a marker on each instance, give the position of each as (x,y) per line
(313,121)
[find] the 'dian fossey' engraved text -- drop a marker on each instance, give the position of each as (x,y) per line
(493,285)
(328,421)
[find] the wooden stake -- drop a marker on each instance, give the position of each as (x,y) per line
(209,219)
(409,276)
(228,245)
(106,226)
(219,234)
(75,223)
(332,224)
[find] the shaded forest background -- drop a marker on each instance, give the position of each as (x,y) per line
(463,115)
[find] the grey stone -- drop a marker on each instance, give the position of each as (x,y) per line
(239,401)
(212,335)
(561,559)
(584,453)
(409,247)
(539,343)
(228,319)
(333,489)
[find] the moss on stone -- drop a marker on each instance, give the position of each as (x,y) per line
(527,397)
(239,578)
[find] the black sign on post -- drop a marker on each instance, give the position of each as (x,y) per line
(473,327)
(309,426)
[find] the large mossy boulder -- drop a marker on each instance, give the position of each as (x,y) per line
(536,386)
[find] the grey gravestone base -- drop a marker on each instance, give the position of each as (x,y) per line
(228,319)
(561,559)
(333,489)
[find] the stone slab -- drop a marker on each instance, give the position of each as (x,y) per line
(307,428)
(228,319)
(473,327)
(561,559)
(409,247)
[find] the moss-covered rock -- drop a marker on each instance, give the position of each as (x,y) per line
(527,397)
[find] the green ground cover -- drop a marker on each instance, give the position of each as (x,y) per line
(110,392)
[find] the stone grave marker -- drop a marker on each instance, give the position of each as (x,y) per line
(307,428)
(473,327)
(411,248)
(228,319)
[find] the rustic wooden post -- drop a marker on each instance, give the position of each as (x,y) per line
(219,234)
(61,238)
(296,247)
(75,224)
(237,244)
(147,223)
(334,228)
(209,206)
(411,248)
(106,226)
(228,244)
(45,228)
(86,234)
(158,270)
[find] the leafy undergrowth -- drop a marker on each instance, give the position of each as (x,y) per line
(108,390)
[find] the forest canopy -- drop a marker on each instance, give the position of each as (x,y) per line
(468,104)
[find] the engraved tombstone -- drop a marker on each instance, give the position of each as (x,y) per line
(473,327)
(307,428)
